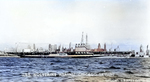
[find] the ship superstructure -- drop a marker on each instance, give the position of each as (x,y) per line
(81,48)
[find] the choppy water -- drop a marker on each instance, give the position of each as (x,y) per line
(61,69)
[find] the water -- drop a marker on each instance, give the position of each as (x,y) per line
(61,69)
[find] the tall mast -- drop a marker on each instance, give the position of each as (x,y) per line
(70,45)
(86,39)
(82,38)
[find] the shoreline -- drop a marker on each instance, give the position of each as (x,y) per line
(68,57)
(9,56)
(109,79)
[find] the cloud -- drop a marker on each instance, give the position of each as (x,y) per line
(63,21)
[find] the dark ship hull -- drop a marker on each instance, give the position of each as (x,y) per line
(58,56)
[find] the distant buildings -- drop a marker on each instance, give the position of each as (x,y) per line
(147,51)
(105,47)
(99,49)
(52,48)
(83,46)
(141,48)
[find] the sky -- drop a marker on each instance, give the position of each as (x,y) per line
(114,22)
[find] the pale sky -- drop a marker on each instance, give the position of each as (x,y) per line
(117,22)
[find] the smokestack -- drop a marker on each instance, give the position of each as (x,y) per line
(99,46)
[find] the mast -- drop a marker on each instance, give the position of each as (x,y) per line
(86,39)
(70,45)
(82,38)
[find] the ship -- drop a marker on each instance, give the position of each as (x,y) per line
(82,50)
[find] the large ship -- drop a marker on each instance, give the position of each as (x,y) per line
(82,50)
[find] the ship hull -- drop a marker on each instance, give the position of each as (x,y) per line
(57,56)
